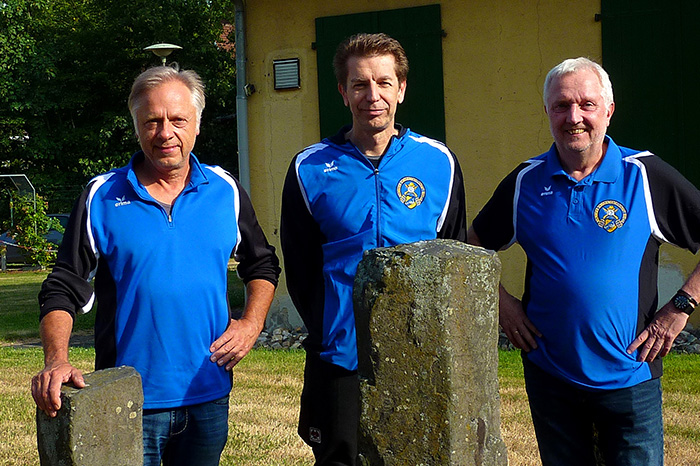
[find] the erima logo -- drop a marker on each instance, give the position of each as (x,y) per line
(547,191)
(314,435)
(330,167)
(121,201)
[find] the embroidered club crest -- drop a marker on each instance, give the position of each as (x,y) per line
(610,215)
(411,192)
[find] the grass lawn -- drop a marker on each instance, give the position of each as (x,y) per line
(19,308)
(267,384)
(263,412)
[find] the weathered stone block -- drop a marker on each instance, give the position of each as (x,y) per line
(427,331)
(100,424)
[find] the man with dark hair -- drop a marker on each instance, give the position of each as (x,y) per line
(590,216)
(369,45)
(157,235)
(374,184)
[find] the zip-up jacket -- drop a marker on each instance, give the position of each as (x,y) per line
(337,204)
(160,278)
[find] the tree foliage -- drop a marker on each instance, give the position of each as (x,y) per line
(66,68)
(30,227)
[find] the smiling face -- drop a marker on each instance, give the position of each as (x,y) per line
(578,114)
(167,126)
(372,91)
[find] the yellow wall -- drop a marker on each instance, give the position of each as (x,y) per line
(496,54)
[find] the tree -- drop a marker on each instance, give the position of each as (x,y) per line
(20,64)
(66,67)
(30,227)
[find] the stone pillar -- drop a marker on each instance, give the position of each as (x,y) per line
(427,332)
(97,425)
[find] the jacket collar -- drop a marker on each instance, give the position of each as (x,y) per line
(607,172)
(395,143)
(197,175)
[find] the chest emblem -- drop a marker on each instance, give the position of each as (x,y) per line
(610,215)
(121,201)
(410,191)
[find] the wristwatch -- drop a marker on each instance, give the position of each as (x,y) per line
(684,302)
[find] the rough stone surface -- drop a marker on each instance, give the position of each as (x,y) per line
(426,317)
(281,338)
(688,341)
(96,425)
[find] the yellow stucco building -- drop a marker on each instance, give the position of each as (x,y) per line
(495,55)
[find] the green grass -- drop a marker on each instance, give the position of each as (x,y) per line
(262,421)
(19,307)
(267,385)
(681,392)
(684,369)
(19,311)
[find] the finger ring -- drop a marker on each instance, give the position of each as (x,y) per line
(515,331)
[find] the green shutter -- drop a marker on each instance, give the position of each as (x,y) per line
(420,33)
(651,50)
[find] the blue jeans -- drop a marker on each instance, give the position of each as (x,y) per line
(624,425)
(190,435)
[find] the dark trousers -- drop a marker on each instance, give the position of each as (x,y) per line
(627,422)
(330,412)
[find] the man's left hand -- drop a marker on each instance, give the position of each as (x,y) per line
(657,339)
(235,343)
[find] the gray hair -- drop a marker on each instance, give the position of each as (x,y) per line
(573,65)
(159,75)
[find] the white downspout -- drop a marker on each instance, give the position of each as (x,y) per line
(241,98)
(282,309)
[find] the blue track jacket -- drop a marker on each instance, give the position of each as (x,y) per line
(336,205)
(160,279)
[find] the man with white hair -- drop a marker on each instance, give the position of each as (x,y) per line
(157,235)
(590,216)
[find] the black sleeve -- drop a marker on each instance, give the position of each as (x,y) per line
(676,203)
(494,224)
(302,242)
(68,286)
(455,224)
(256,257)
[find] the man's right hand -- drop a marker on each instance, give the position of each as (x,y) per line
(514,322)
(55,329)
(46,385)
(511,315)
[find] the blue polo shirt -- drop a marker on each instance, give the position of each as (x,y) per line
(592,249)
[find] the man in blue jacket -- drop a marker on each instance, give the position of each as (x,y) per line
(374,184)
(590,216)
(157,236)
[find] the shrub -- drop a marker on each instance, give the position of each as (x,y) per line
(30,226)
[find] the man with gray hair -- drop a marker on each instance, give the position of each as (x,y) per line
(590,216)
(157,236)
